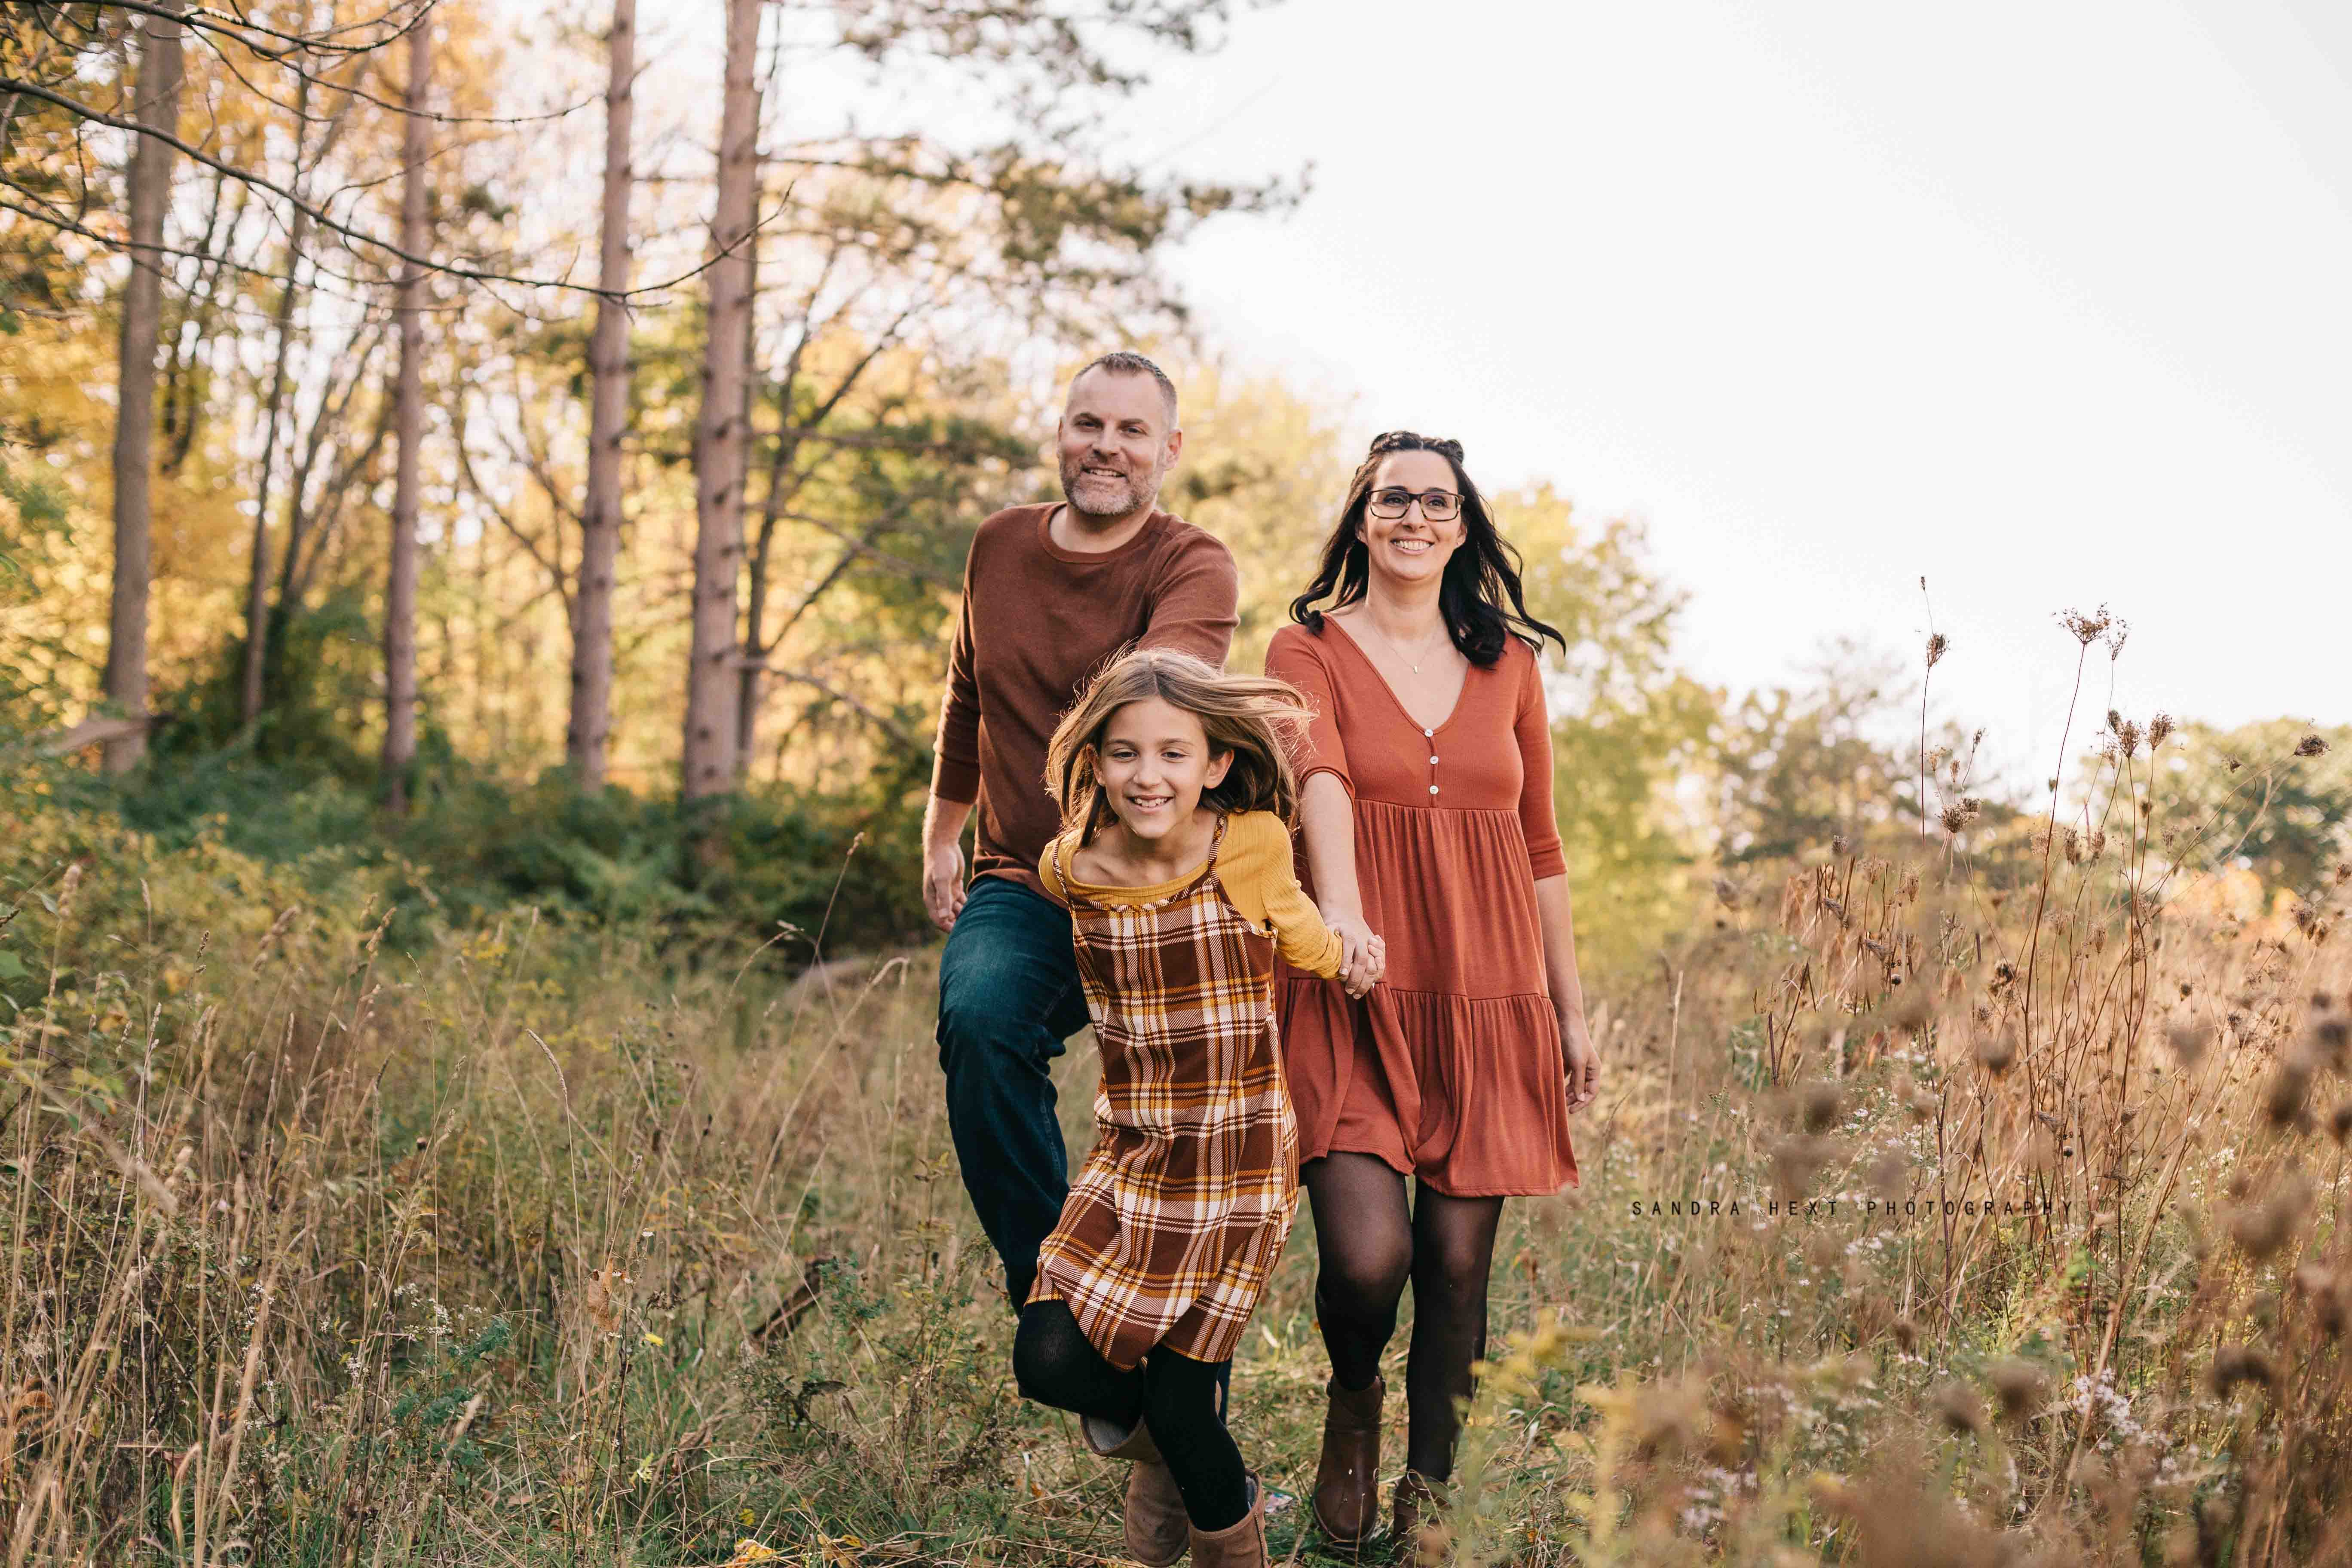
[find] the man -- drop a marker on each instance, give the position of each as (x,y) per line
(1049,592)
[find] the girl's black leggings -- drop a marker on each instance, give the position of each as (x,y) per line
(1178,1398)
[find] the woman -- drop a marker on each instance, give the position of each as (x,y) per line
(1425,814)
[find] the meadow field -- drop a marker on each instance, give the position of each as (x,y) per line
(1922,1221)
(467,1082)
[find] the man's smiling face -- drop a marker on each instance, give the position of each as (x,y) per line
(1118,439)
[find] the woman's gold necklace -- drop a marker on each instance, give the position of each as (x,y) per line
(1409,663)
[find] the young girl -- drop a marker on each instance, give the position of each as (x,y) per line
(1176,794)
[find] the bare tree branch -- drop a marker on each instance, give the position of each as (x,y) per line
(328,221)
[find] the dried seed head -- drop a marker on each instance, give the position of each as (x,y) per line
(2074,845)
(1796,1161)
(2020,1386)
(2289,1090)
(2311,746)
(2339,1124)
(2189,1040)
(1907,1335)
(2325,1288)
(2264,1225)
(1998,1053)
(2085,629)
(2158,729)
(2128,737)
(1938,645)
(1823,1106)
(1962,1415)
(1960,813)
(2235,1364)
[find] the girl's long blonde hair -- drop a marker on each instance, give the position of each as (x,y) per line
(1254,717)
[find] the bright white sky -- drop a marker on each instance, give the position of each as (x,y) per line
(2049,303)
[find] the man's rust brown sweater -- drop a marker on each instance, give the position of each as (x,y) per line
(1036,621)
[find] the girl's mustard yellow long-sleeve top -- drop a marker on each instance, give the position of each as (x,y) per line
(1254,867)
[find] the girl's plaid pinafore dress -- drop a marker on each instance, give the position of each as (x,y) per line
(1180,1211)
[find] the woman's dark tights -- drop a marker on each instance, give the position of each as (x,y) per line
(1178,1398)
(1370,1245)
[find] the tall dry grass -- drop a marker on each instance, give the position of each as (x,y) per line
(1927,1218)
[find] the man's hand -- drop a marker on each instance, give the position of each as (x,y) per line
(943,883)
(1583,1061)
(943,822)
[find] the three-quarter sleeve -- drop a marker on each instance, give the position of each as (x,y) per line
(1295,657)
(1255,868)
(1539,818)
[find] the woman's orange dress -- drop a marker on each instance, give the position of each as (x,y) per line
(1452,1072)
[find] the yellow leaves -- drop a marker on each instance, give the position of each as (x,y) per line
(749,1551)
(653,1340)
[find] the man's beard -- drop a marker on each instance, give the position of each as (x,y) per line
(1131,494)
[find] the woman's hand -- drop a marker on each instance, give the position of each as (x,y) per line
(1354,935)
(1369,970)
(1583,1061)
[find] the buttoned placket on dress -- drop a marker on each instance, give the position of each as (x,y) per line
(1431,736)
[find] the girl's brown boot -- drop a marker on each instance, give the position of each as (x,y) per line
(1152,1515)
(1348,1476)
(1241,1545)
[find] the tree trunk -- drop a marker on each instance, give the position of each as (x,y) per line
(256,588)
(400,589)
(756,647)
(149,193)
(720,444)
(608,413)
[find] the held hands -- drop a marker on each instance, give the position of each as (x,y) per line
(1363,957)
(943,884)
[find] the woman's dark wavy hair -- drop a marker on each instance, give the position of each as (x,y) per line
(1480,597)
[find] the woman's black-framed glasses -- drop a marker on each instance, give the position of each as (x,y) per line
(1438,506)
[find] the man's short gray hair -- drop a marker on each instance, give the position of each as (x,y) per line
(1126,361)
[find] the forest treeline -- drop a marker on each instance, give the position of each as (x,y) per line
(425,454)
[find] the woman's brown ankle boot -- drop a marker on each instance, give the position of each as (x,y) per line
(1419,1539)
(1241,1545)
(1348,1475)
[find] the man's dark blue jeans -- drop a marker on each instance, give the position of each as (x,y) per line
(1009,997)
